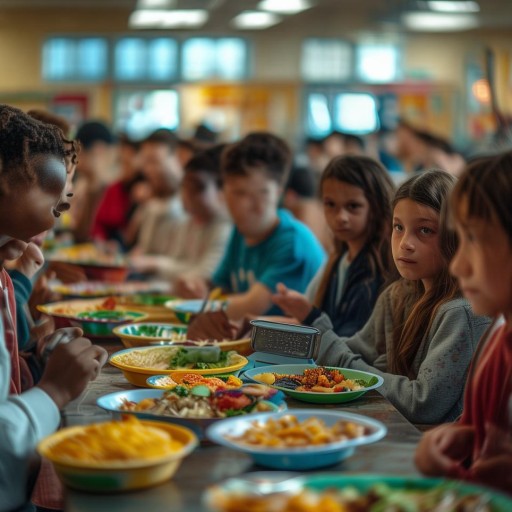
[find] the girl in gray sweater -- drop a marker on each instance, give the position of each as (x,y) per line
(422,334)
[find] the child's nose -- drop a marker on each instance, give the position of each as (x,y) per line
(407,243)
(459,266)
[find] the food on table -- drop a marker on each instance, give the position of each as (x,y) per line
(158,331)
(380,498)
(200,402)
(319,380)
(288,432)
(105,315)
(176,358)
(109,304)
(190,380)
(88,254)
(115,441)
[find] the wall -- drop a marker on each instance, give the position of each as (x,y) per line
(276,53)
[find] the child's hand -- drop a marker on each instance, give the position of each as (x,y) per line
(212,325)
(495,471)
(145,263)
(46,345)
(293,303)
(191,287)
(442,450)
(30,261)
(69,369)
(67,272)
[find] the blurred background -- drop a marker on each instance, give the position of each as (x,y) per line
(299,68)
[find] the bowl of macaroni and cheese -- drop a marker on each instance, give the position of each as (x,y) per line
(117,455)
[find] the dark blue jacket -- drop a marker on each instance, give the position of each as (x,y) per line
(360,292)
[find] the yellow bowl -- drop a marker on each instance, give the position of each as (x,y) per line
(138,375)
(115,476)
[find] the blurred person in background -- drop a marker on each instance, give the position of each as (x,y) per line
(156,220)
(301,199)
(121,198)
(200,239)
(94,170)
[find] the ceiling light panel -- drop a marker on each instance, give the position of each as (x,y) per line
(160,18)
(447,6)
(255,20)
(439,22)
(284,6)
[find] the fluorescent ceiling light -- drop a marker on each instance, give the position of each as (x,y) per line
(158,18)
(447,6)
(284,6)
(255,20)
(437,22)
(155,4)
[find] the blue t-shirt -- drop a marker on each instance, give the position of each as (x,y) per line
(290,255)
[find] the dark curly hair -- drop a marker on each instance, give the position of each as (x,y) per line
(258,151)
(21,138)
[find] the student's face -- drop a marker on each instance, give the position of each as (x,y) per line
(415,242)
(200,195)
(252,201)
(29,210)
(346,210)
(483,266)
(161,167)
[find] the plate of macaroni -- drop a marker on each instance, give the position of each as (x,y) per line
(299,439)
(316,384)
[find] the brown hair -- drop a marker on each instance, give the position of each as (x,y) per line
(487,186)
(373,179)
(414,309)
(258,151)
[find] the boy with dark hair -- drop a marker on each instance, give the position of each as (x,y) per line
(268,245)
(199,241)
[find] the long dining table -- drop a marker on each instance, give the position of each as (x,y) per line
(210,464)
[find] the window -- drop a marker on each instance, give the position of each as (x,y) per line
(204,58)
(378,62)
(141,59)
(319,123)
(326,60)
(138,113)
(356,113)
(73,59)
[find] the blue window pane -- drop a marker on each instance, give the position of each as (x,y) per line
(231,58)
(319,116)
(91,59)
(130,59)
(58,59)
(199,60)
(162,59)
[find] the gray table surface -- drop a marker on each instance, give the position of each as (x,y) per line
(211,464)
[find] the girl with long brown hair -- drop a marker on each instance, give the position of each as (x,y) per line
(422,333)
(356,192)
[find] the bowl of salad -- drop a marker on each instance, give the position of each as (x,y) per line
(142,334)
(196,407)
(137,364)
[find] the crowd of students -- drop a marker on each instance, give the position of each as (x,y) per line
(409,290)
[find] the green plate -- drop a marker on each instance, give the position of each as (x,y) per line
(373,381)
(500,502)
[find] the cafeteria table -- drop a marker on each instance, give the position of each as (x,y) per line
(209,464)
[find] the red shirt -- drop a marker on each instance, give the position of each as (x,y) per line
(113,211)
(488,399)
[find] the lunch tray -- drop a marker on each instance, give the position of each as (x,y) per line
(277,343)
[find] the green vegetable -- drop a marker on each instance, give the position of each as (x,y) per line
(199,357)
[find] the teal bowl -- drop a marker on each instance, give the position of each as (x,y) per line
(102,323)
(142,334)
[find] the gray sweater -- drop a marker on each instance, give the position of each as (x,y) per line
(441,363)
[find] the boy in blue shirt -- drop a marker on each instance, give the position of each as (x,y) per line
(267,245)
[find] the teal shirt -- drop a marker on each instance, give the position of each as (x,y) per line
(291,255)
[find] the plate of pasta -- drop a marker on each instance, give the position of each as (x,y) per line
(137,364)
(316,384)
(300,439)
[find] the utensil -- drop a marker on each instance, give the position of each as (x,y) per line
(211,296)
(263,483)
